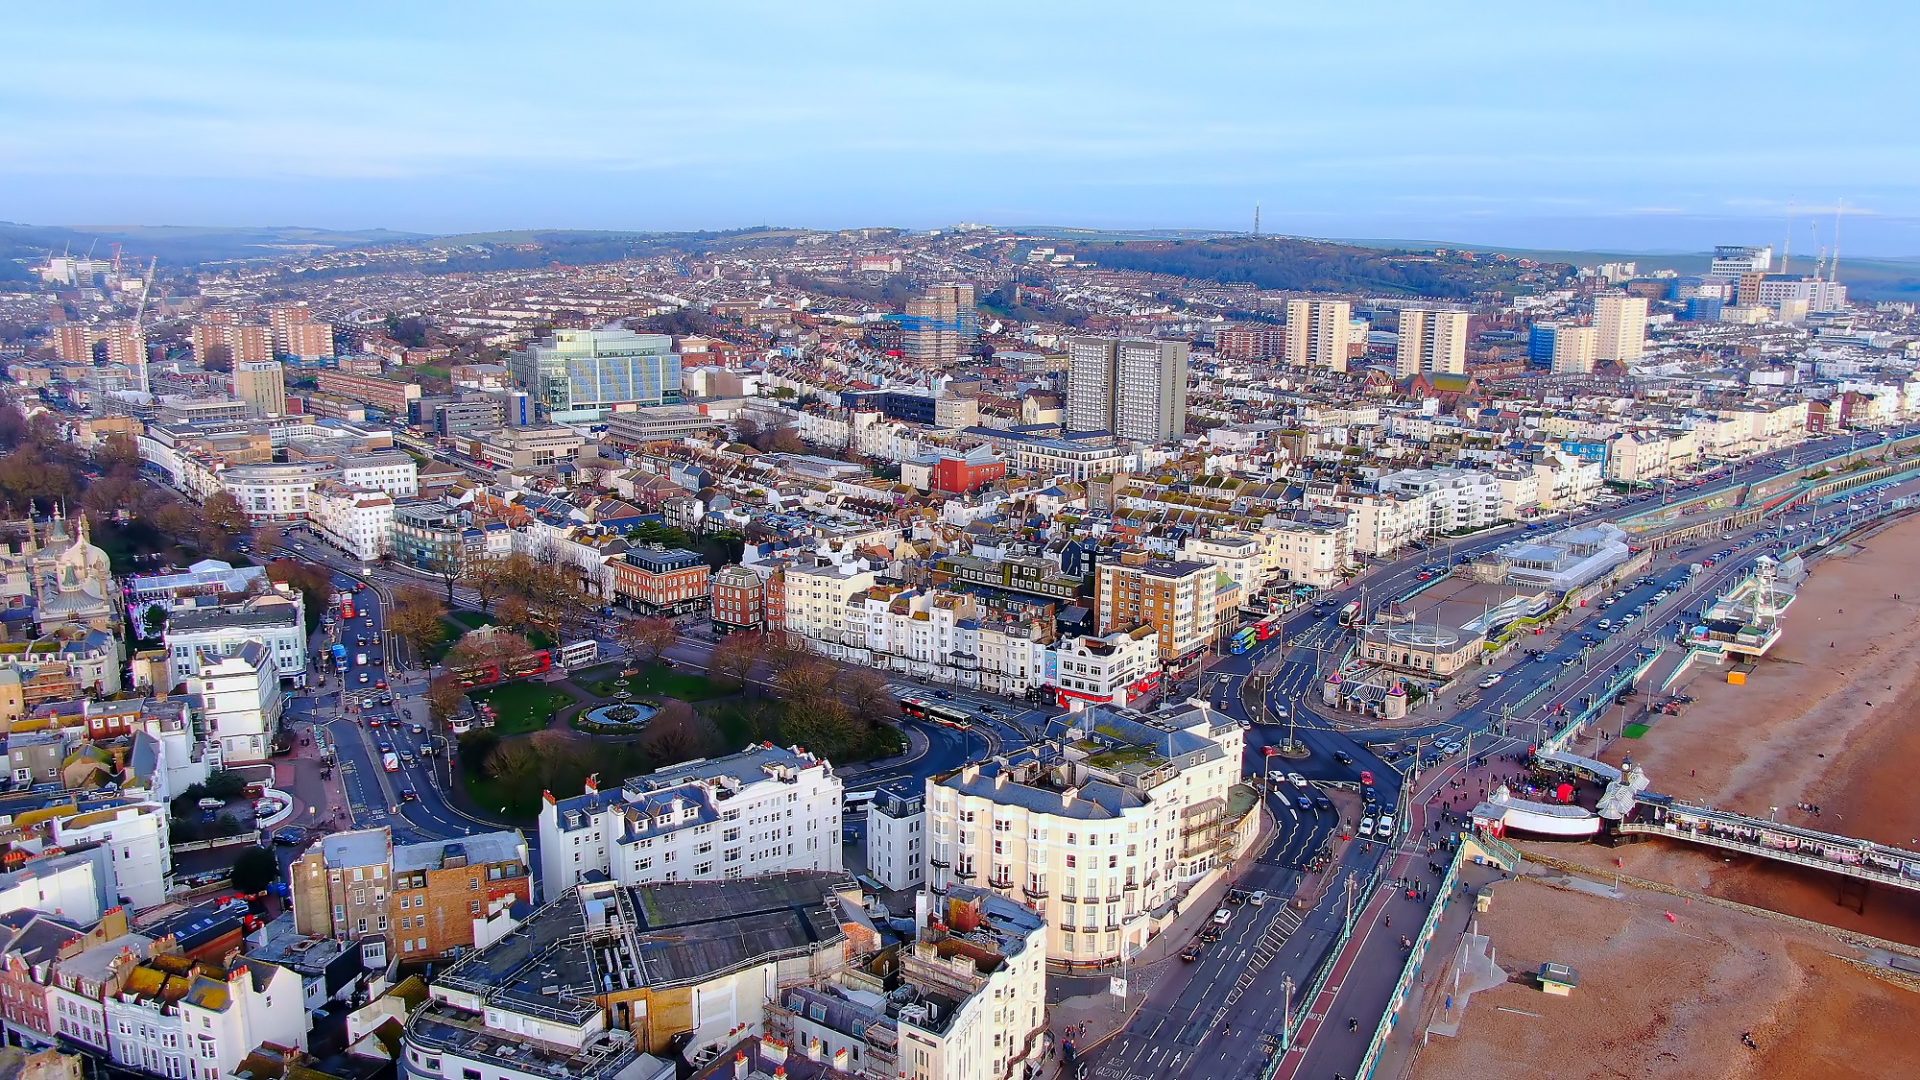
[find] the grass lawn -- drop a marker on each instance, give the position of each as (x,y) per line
(656,680)
(458,624)
(463,620)
(492,797)
(522,707)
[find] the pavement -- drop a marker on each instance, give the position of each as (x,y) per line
(1083,1011)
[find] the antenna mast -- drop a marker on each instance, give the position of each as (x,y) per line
(146,290)
(1256,219)
(1834,270)
(1786,246)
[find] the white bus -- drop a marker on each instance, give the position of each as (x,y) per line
(857,801)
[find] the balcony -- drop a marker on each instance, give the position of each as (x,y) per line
(1036,892)
(939,862)
(1131,886)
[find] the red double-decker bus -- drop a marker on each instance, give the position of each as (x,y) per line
(487,673)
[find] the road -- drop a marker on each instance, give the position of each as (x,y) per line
(1181,1028)
(362,721)
(1187,1009)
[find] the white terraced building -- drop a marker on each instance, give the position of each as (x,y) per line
(764,810)
(1098,825)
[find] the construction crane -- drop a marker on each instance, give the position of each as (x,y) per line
(139,313)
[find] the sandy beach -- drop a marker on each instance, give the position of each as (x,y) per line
(1827,719)
(1670,998)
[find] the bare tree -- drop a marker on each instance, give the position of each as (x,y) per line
(734,657)
(417,617)
(646,639)
(677,733)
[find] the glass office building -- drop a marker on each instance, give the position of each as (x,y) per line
(579,376)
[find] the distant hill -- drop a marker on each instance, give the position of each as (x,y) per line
(1865,278)
(1289,263)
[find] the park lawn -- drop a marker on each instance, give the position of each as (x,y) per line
(458,624)
(464,620)
(490,796)
(654,681)
(522,707)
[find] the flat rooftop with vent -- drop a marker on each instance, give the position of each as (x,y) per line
(605,972)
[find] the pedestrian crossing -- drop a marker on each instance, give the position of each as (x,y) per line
(1284,924)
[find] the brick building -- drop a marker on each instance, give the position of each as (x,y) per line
(419,900)
(737,596)
(384,394)
(661,581)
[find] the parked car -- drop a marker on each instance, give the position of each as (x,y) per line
(1366,827)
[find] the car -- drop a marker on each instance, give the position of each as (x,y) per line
(1605,625)
(1193,950)
(943,695)
(1368,793)
(417,729)
(1366,827)
(1223,916)
(1491,681)
(1343,757)
(990,710)
(1366,776)
(1296,779)
(1304,802)
(381,685)
(1322,803)
(1629,618)
(406,758)
(1383,828)
(374,722)
(290,836)
(409,795)
(363,678)
(1258,897)
(1451,746)
(1570,661)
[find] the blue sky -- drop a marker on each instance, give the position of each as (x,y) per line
(1629,126)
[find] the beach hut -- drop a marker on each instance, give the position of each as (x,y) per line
(1558,979)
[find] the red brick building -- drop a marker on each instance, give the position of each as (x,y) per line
(959,475)
(738,597)
(773,600)
(1250,342)
(661,581)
